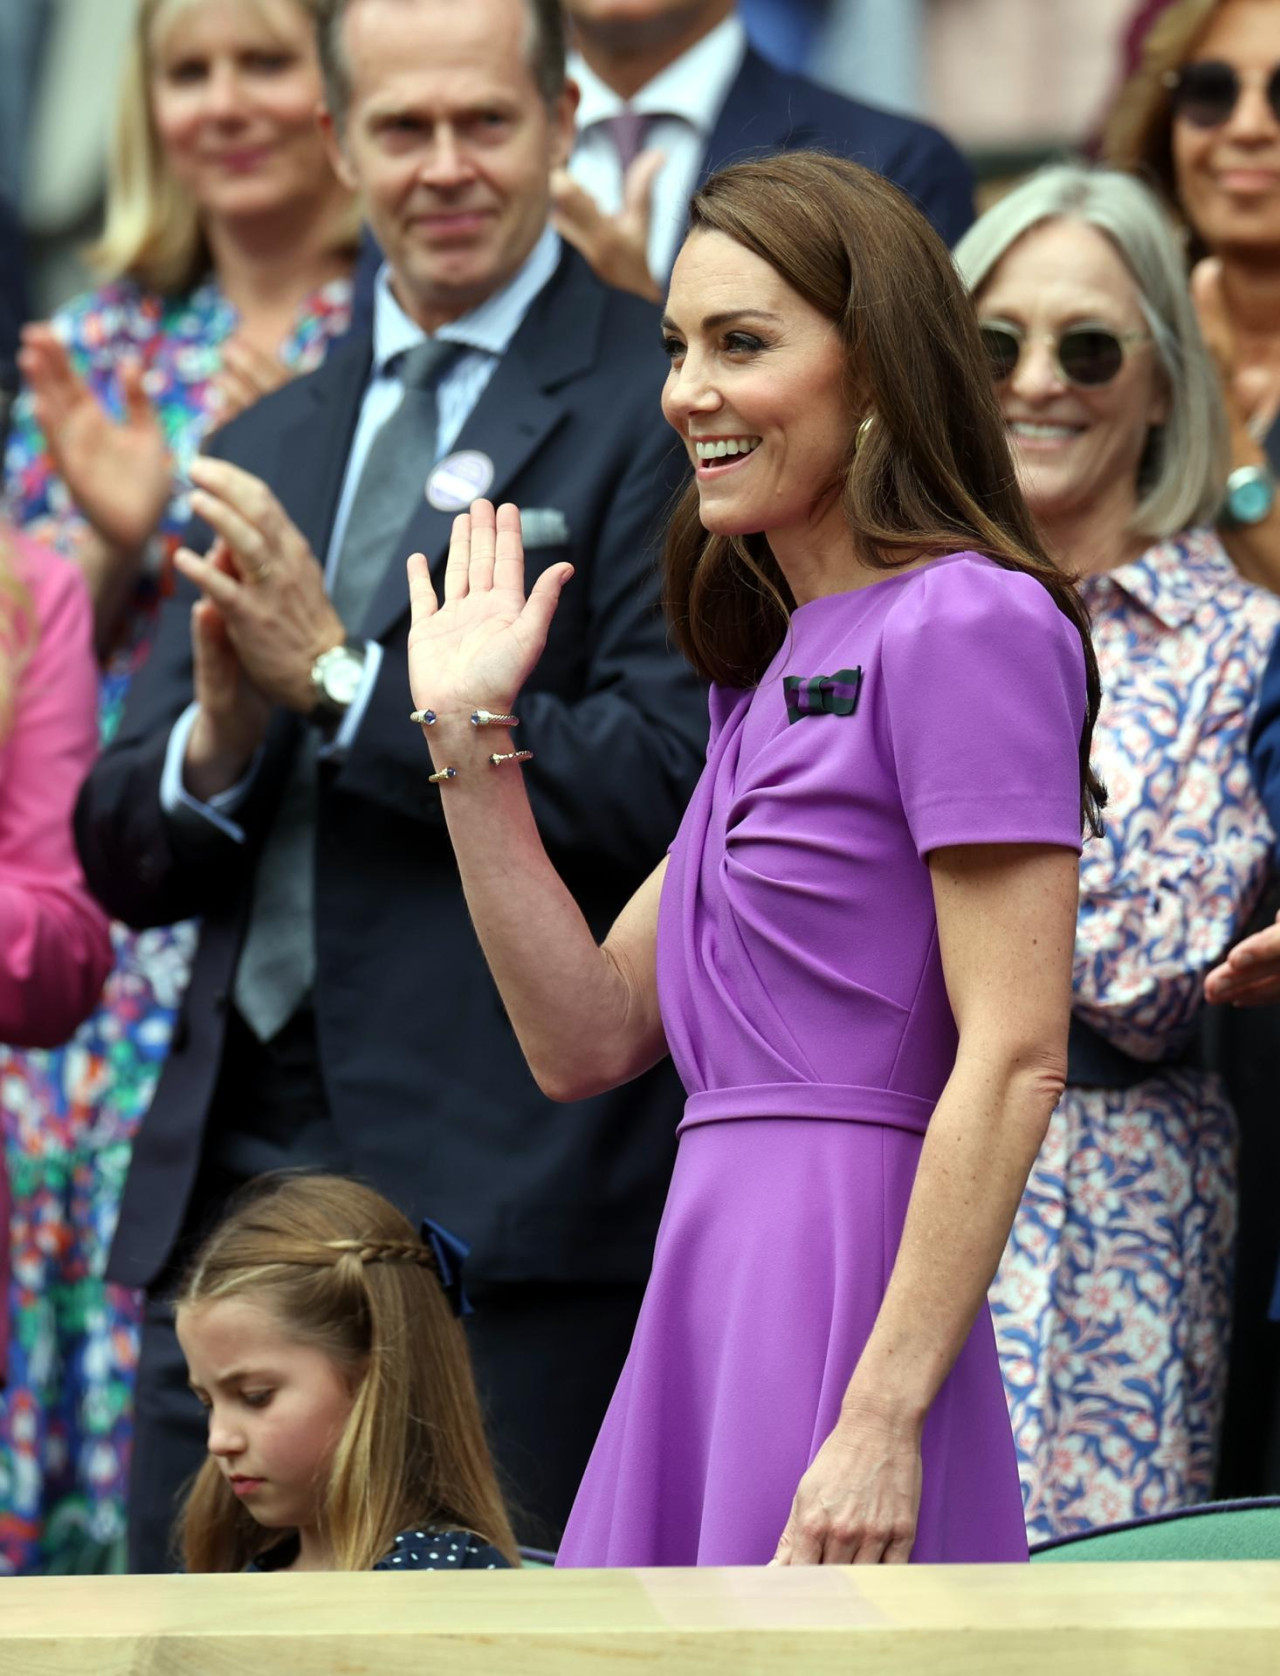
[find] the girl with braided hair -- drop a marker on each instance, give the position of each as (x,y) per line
(344,1430)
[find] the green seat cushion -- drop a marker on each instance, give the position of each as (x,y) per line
(1223,1530)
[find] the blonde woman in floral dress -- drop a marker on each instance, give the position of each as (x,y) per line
(1113,1302)
(226,261)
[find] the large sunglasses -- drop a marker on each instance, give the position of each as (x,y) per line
(1085,355)
(1206,94)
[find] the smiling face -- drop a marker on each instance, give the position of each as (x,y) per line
(1077,450)
(1228,178)
(757,392)
(451,145)
(276,1407)
(235,91)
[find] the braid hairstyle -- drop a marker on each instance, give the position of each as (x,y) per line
(342,1270)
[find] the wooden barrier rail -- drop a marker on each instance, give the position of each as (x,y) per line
(1165,1620)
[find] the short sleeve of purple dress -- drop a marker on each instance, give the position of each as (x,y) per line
(804,1004)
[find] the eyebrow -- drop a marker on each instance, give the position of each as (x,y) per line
(711,321)
(237,1376)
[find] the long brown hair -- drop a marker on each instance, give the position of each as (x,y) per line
(343,1270)
(1138,134)
(933,474)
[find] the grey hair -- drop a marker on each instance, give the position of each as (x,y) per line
(545,49)
(1187,458)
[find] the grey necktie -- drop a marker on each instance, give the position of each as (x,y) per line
(627,131)
(278,960)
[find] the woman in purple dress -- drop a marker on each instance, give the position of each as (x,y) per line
(859,948)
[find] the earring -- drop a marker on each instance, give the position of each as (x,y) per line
(863,429)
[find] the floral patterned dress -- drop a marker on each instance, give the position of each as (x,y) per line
(1113,1301)
(69,1116)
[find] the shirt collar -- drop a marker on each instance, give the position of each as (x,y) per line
(489,327)
(1172,579)
(694,87)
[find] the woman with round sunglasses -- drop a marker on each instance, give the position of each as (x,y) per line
(1112,1302)
(1201,118)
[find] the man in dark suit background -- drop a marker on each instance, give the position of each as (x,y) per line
(340,1013)
(14,310)
(672,90)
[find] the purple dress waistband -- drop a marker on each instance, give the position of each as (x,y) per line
(809,1099)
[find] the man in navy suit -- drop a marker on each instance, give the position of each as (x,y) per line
(672,90)
(340,1013)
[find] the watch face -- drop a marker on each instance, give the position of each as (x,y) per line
(341,676)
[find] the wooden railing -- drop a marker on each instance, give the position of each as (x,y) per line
(1165,1620)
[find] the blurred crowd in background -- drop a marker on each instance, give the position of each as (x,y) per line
(1138,1215)
(1010,80)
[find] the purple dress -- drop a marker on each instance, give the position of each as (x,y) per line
(804,1004)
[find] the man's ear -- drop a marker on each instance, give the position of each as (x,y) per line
(564,125)
(334,146)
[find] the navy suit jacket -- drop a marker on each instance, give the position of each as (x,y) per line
(427,1085)
(768,109)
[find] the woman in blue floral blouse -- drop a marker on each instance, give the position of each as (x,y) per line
(1112,1305)
(226,262)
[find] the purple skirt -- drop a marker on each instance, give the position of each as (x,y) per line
(775,1249)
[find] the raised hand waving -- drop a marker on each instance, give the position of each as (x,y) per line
(475,649)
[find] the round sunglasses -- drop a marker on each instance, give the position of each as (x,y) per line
(1205,94)
(1085,355)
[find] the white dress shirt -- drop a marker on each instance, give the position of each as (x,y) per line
(686,100)
(486,332)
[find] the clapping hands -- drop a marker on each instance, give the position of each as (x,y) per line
(617,246)
(247,374)
(1250,975)
(118,471)
(1250,389)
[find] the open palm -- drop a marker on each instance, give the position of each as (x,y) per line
(476,649)
(117,470)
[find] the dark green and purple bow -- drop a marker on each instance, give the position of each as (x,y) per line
(822,695)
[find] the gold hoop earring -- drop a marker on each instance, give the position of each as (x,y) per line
(863,429)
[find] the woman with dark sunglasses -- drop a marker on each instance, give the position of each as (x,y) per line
(1112,1302)
(1201,117)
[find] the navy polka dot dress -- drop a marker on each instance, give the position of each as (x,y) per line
(427,1549)
(436,1550)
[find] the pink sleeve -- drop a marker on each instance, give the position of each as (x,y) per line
(55,948)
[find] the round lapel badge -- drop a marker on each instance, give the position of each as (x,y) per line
(458,480)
